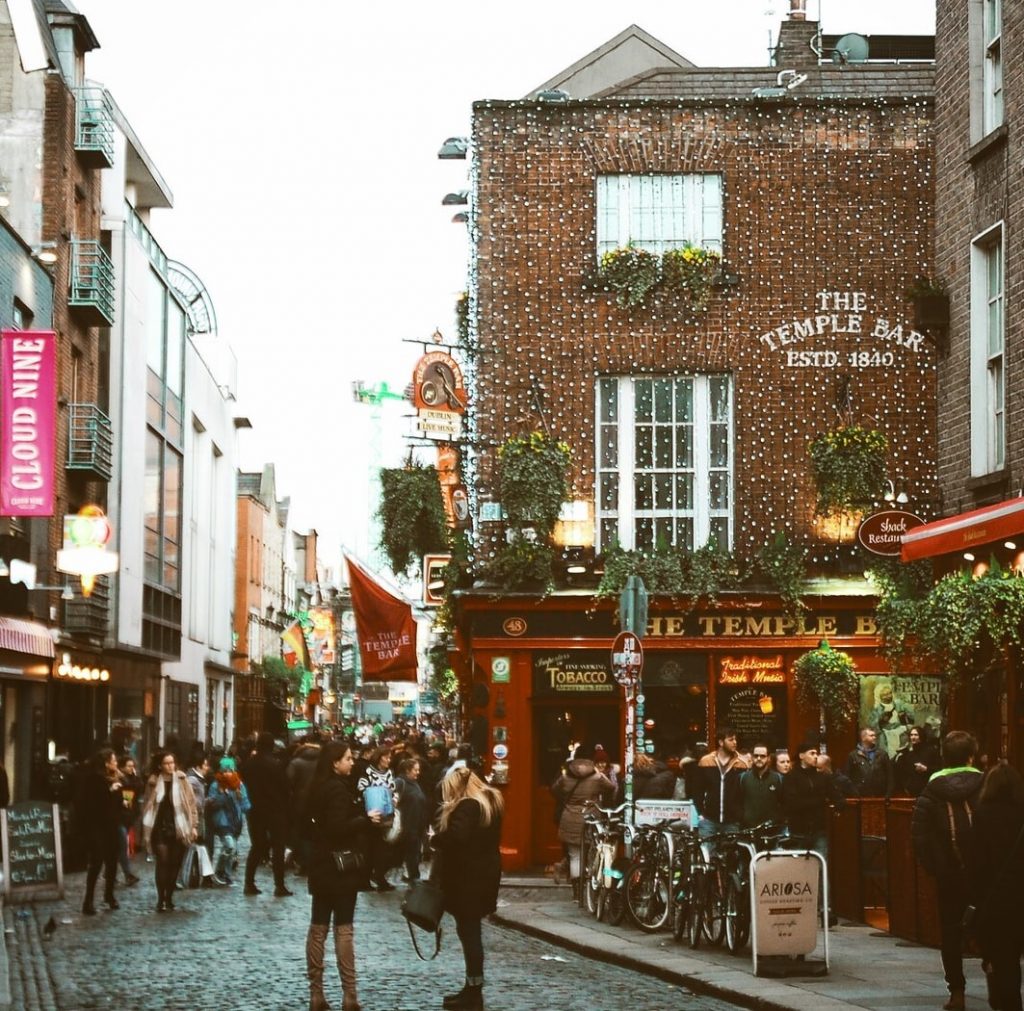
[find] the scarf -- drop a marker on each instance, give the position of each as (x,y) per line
(183,802)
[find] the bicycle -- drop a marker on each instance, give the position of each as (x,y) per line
(737,850)
(686,855)
(601,876)
(648,879)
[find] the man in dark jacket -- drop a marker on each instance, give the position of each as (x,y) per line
(868,767)
(268,817)
(717,786)
(806,796)
(760,790)
(941,832)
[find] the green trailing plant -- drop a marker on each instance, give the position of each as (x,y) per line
(286,680)
(667,570)
(442,678)
(522,565)
(533,481)
(692,271)
(631,272)
(927,287)
(827,679)
(963,624)
(784,564)
(462,316)
(412,516)
(849,467)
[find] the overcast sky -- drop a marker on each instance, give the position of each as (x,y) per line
(300,141)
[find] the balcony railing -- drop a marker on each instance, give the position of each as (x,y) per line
(94,126)
(90,441)
(92,283)
(89,616)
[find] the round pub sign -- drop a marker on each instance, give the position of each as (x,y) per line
(882,533)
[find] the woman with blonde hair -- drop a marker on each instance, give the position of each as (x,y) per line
(169,824)
(469,871)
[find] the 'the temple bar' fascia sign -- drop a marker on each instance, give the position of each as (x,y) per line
(841,314)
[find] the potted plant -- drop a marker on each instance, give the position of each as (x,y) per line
(412,516)
(631,272)
(931,304)
(533,482)
(827,678)
(849,467)
(524,564)
(692,271)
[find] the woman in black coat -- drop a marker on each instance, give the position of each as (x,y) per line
(997,865)
(467,840)
(99,811)
(915,764)
(338,825)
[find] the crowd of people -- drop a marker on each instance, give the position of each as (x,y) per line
(967,825)
(347,813)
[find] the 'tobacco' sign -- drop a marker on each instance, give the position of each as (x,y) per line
(882,533)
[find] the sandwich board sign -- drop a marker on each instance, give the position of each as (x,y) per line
(30,836)
(784,913)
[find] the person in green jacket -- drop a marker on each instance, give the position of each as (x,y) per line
(760,790)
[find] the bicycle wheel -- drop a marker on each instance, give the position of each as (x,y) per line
(614,904)
(735,936)
(586,853)
(714,907)
(695,913)
(681,912)
(647,896)
(590,880)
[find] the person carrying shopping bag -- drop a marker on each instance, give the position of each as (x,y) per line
(169,824)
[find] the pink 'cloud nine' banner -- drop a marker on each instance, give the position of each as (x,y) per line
(28,417)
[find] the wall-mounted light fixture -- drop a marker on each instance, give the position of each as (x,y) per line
(460,218)
(454,147)
(45,252)
(459,198)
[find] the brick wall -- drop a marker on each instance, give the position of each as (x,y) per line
(819,195)
(972,194)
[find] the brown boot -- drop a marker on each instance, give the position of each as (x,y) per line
(344,949)
(955,1002)
(315,941)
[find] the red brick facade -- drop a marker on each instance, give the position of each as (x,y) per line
(820,194)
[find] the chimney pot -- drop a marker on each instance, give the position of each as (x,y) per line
(797,10)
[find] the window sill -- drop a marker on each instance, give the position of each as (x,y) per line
(988,144)
(986,483)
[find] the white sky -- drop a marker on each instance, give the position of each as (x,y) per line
(300,141)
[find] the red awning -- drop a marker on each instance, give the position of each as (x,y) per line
(964,531)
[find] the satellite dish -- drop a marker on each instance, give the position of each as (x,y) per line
(852,48)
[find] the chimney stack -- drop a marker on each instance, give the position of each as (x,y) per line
(795,48)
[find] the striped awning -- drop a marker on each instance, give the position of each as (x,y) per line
(20,635)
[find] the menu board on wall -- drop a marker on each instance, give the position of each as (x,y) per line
(751,698)
(30,833)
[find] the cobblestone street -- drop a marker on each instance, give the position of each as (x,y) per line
(221,951)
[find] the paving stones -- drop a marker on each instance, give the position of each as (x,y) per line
(222,951)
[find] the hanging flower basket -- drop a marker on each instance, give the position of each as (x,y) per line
(412,516)
(692,271)
(532,476)
(827,678)
(849,467)
(630,272)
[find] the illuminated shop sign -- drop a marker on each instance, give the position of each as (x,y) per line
(585,671)
(742,670)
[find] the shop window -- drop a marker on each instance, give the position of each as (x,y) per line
(664,461)
(659,212)
(988,381)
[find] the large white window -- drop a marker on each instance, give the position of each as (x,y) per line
(992,31)
(659,212)
(988,382)
(664,461)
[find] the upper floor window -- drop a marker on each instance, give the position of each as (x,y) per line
(988,380)
(664,461)
(165,352)
(659,212)
(992,31)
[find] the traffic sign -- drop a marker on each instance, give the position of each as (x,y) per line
(627,658)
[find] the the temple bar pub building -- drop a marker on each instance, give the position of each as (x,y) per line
(813,180)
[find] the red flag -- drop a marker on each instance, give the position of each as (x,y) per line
(387,632)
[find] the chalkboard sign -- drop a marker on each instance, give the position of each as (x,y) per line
(755,712)
(30,836)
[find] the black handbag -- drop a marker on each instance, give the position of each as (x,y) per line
(424,907)
(348,861)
